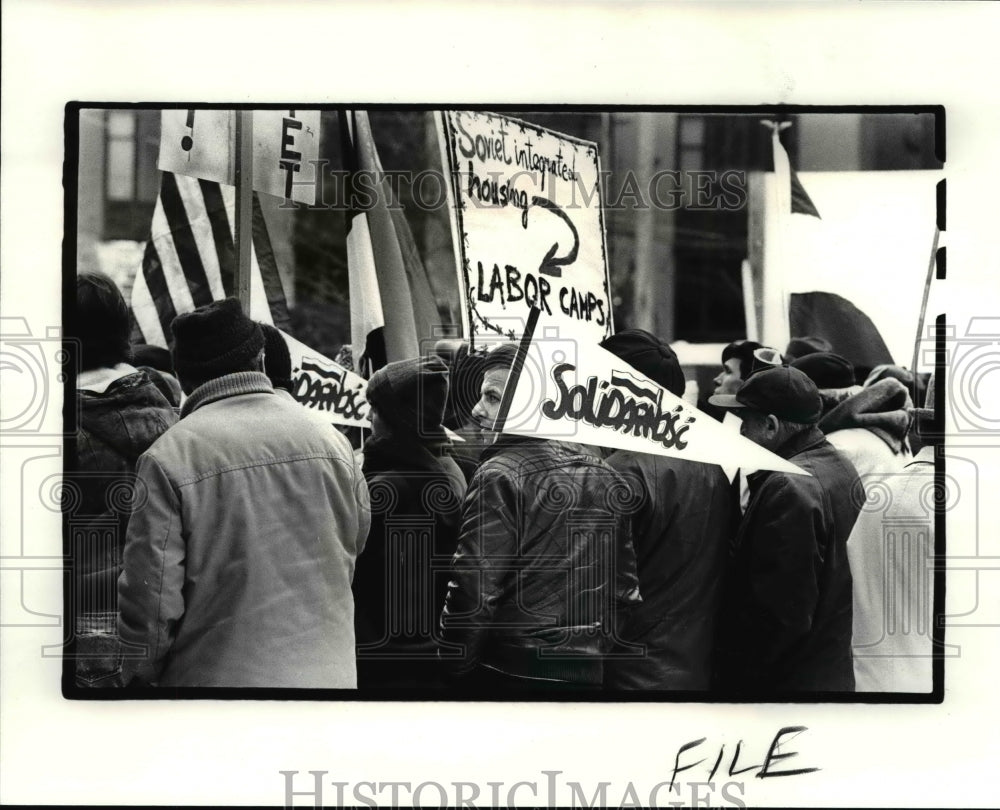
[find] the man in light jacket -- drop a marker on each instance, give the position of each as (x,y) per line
(240,555)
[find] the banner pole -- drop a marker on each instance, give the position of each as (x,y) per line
(515,370)
(923,312)
(244,205)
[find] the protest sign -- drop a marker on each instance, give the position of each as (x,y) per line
(326,388)
(561,388)
(200,143)
(530,228)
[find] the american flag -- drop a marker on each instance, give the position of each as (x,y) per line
(190,260)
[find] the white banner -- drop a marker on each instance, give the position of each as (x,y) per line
(570,390)
(529,224)
(200,143)
(326,388)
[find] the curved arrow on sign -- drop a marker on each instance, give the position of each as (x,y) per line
(552,265)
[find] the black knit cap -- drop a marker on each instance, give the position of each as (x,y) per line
(215,340)
(826,369)
(783,391)
(648,355)
(277,360)
(411,395)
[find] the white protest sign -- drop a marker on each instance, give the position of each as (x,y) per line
(326,388)
(568,390)
(530,227)
(201,143)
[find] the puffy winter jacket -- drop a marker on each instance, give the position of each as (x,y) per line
(238,567)
(786,619)
(544,563)
(120,415)
(116,425)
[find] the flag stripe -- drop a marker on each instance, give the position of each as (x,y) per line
(173,270)
(184,242)
(156,286)
(222,234)
(201,232)
(273,288)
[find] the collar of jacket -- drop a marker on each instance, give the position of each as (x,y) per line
(98,380)
(880,408)
(800,442)
(803,440)
(230,385)
(506,440)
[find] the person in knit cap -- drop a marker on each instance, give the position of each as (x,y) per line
(785,623)
(238,563)
(891,550)
(121,411)
(417,492)
(544,563)
(681,532)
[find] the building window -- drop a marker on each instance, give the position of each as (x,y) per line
(131,180)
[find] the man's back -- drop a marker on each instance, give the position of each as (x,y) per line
(681,532)
(543,558)
(241,562)
(786,621)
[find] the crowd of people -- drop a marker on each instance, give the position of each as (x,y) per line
(259,548)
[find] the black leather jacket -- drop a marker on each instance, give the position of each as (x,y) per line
(544,563)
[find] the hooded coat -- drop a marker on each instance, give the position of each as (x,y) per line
(121,412)
(870,429)
(870,426)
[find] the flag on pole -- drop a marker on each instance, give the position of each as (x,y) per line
(799,201)
(189,259)
(392,305)
(820,312)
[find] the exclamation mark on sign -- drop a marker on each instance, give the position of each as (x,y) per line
(187,142)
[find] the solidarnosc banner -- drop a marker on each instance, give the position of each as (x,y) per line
(530,227)
(563,387)
(326,388)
